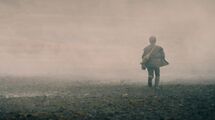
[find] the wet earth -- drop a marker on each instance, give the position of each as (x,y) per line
(109,102)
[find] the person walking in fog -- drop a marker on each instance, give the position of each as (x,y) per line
(152,59)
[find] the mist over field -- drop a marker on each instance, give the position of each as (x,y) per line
(104,39)
(80,60)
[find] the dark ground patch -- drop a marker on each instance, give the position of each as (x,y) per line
(113,102)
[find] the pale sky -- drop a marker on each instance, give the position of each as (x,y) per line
(104,39)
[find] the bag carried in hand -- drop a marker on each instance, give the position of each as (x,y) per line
(145,59)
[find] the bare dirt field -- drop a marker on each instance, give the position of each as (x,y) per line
(21,100)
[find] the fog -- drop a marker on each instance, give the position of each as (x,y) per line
(104,39)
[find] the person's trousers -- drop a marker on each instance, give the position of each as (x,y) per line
(151,72)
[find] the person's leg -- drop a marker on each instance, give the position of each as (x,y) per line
(150,76)
(157,76)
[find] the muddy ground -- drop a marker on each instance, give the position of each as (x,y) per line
(35,101)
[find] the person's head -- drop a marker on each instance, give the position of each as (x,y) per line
(152,40)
